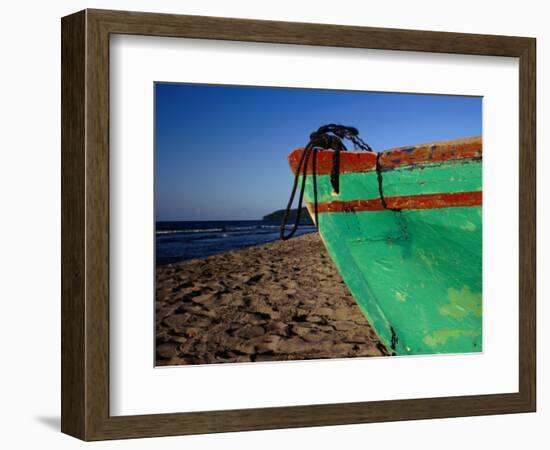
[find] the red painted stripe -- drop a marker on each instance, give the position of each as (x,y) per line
(405,156)
(423,201)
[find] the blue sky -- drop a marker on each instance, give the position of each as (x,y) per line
(221,151)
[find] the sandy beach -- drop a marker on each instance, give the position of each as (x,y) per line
(274,302)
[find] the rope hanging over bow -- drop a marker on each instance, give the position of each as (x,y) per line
(326,137)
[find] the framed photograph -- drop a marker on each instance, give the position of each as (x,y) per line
(273,225)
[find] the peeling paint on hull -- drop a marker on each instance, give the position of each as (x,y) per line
(414,265)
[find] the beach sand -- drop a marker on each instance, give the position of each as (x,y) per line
(276,302)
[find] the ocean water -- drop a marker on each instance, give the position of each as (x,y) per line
(181,241)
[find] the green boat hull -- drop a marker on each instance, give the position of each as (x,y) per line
(406,236)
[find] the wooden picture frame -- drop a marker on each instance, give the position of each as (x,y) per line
(85,224)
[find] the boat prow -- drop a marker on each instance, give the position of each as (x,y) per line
(405,232)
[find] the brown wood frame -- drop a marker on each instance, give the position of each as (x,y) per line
(85,224)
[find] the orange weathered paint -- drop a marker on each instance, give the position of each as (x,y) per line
(430,153)
(350,162)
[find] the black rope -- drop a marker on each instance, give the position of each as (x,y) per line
(380,179)
(326,137)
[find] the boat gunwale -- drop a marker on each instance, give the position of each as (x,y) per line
(408,156)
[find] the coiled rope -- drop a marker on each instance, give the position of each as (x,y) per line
(326,137)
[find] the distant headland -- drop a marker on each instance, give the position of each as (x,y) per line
(279,214)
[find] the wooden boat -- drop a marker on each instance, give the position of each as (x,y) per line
(405,232)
